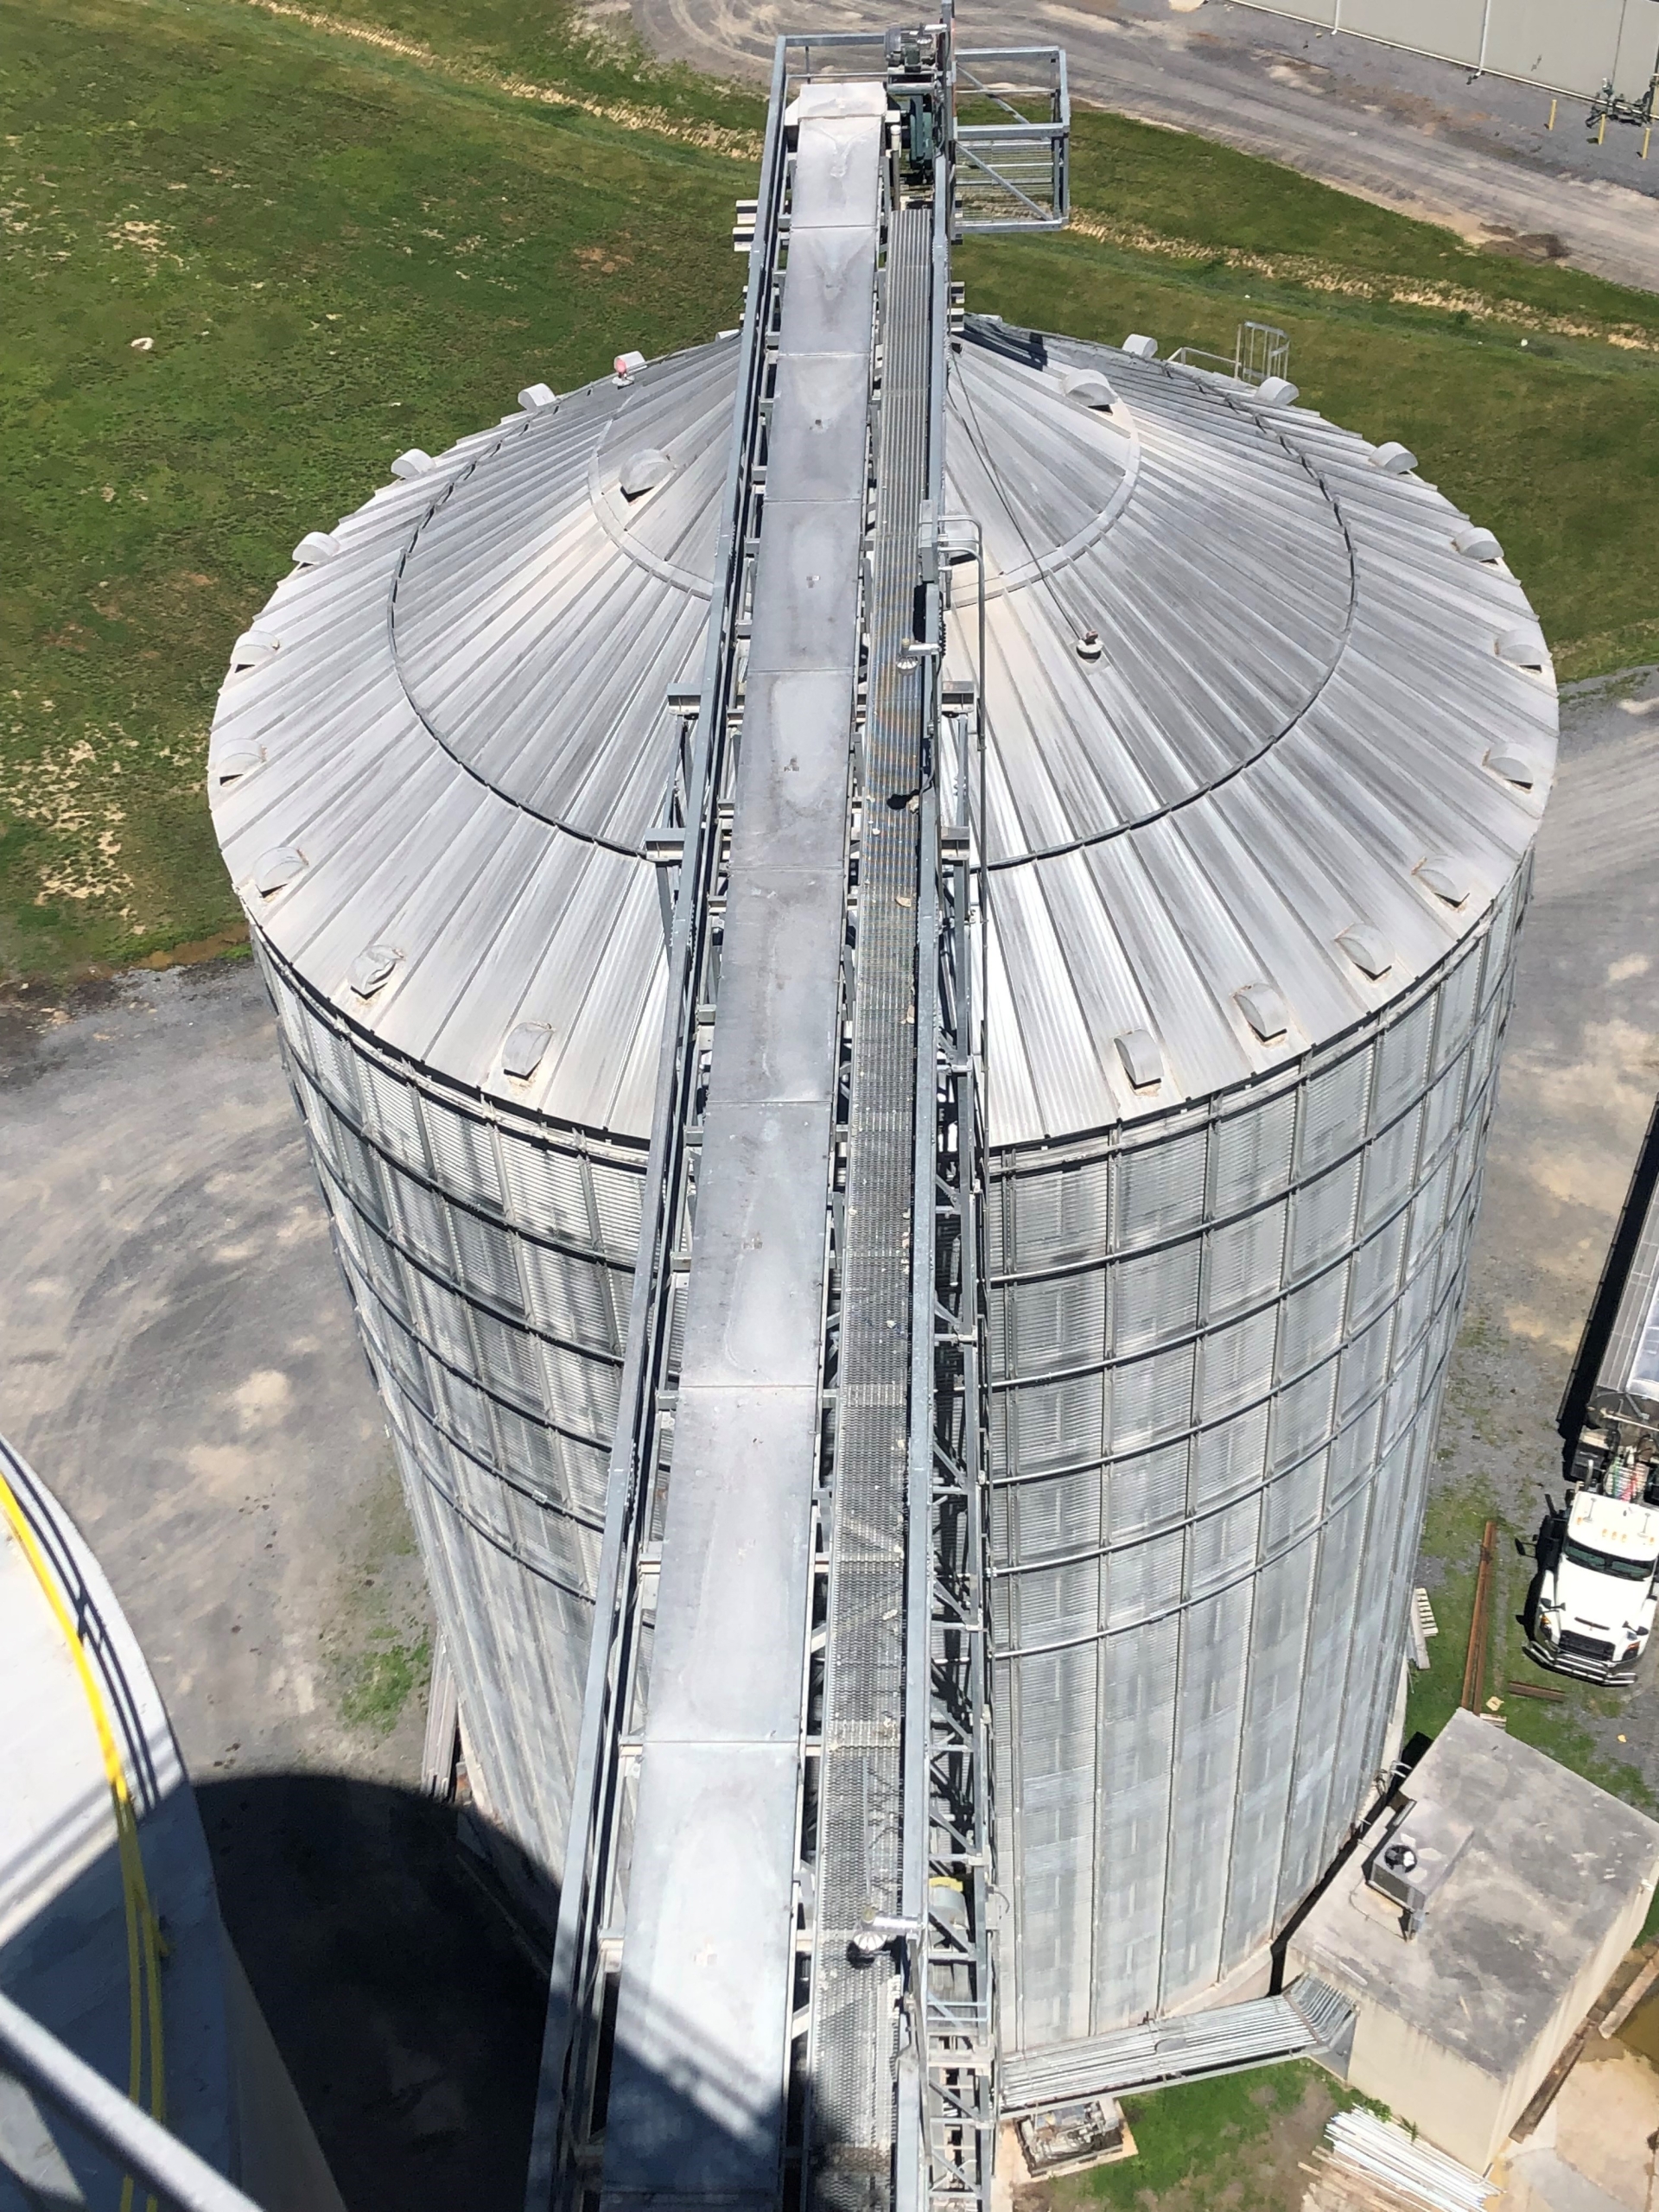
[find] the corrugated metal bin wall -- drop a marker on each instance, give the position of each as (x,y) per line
(489,1262)
(1219,1342)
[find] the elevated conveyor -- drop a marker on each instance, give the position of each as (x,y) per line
(772,1980)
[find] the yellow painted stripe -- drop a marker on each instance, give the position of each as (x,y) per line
(143,1955)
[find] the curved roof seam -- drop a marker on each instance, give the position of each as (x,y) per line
(1219,783)
(468,767)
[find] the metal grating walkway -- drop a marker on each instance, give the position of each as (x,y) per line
(858,1864)
(1184,2047)
(704,1995)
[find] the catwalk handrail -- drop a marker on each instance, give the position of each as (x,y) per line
(102,2116)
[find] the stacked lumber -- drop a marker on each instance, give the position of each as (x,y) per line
(1368,2164)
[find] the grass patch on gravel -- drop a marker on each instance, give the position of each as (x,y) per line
(1236,2141)
(381,1679)
(378,1646)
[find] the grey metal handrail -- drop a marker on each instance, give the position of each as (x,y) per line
(99,2111)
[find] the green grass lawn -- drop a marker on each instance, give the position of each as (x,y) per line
(337,254)
(1205,203)
(353,226)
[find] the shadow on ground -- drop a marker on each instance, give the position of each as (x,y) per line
(410,2023)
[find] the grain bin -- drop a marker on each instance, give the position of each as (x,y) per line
(1270,728)
(112,1953)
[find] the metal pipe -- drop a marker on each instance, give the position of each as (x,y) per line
(1474,1664)
(99,2111)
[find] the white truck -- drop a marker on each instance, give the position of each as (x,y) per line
(1596,1593)
(1598,1556)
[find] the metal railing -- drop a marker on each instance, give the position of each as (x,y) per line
(953,1989)
(1259,350)
(587,1962)
(1013,171)
(33,2065)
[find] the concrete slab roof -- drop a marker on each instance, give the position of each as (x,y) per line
(1553,1862)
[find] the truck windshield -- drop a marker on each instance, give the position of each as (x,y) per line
(1624,1570)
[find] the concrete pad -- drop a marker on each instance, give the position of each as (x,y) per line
(1541,2181)
(1606,2116)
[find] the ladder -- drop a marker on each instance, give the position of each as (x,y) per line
(773,1977)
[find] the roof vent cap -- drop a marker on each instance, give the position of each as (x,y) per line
(1264,1009)
(314,548)
(1278,392)
(522,1053)
(1446,876)
(372,968)
(1143,348)
(535,396)
(643,470)
(1514,767)
(253,649)
(1523,649)
(1143,1062)
(1090,389)
(1478,544)
(626,367)
(277,868)
(1089,644)
(237,760)
(412,464)
(1367,948)
(1394,459)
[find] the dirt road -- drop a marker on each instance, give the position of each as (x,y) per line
(1412,135)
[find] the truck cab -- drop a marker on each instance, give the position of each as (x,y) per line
(1597,1592)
